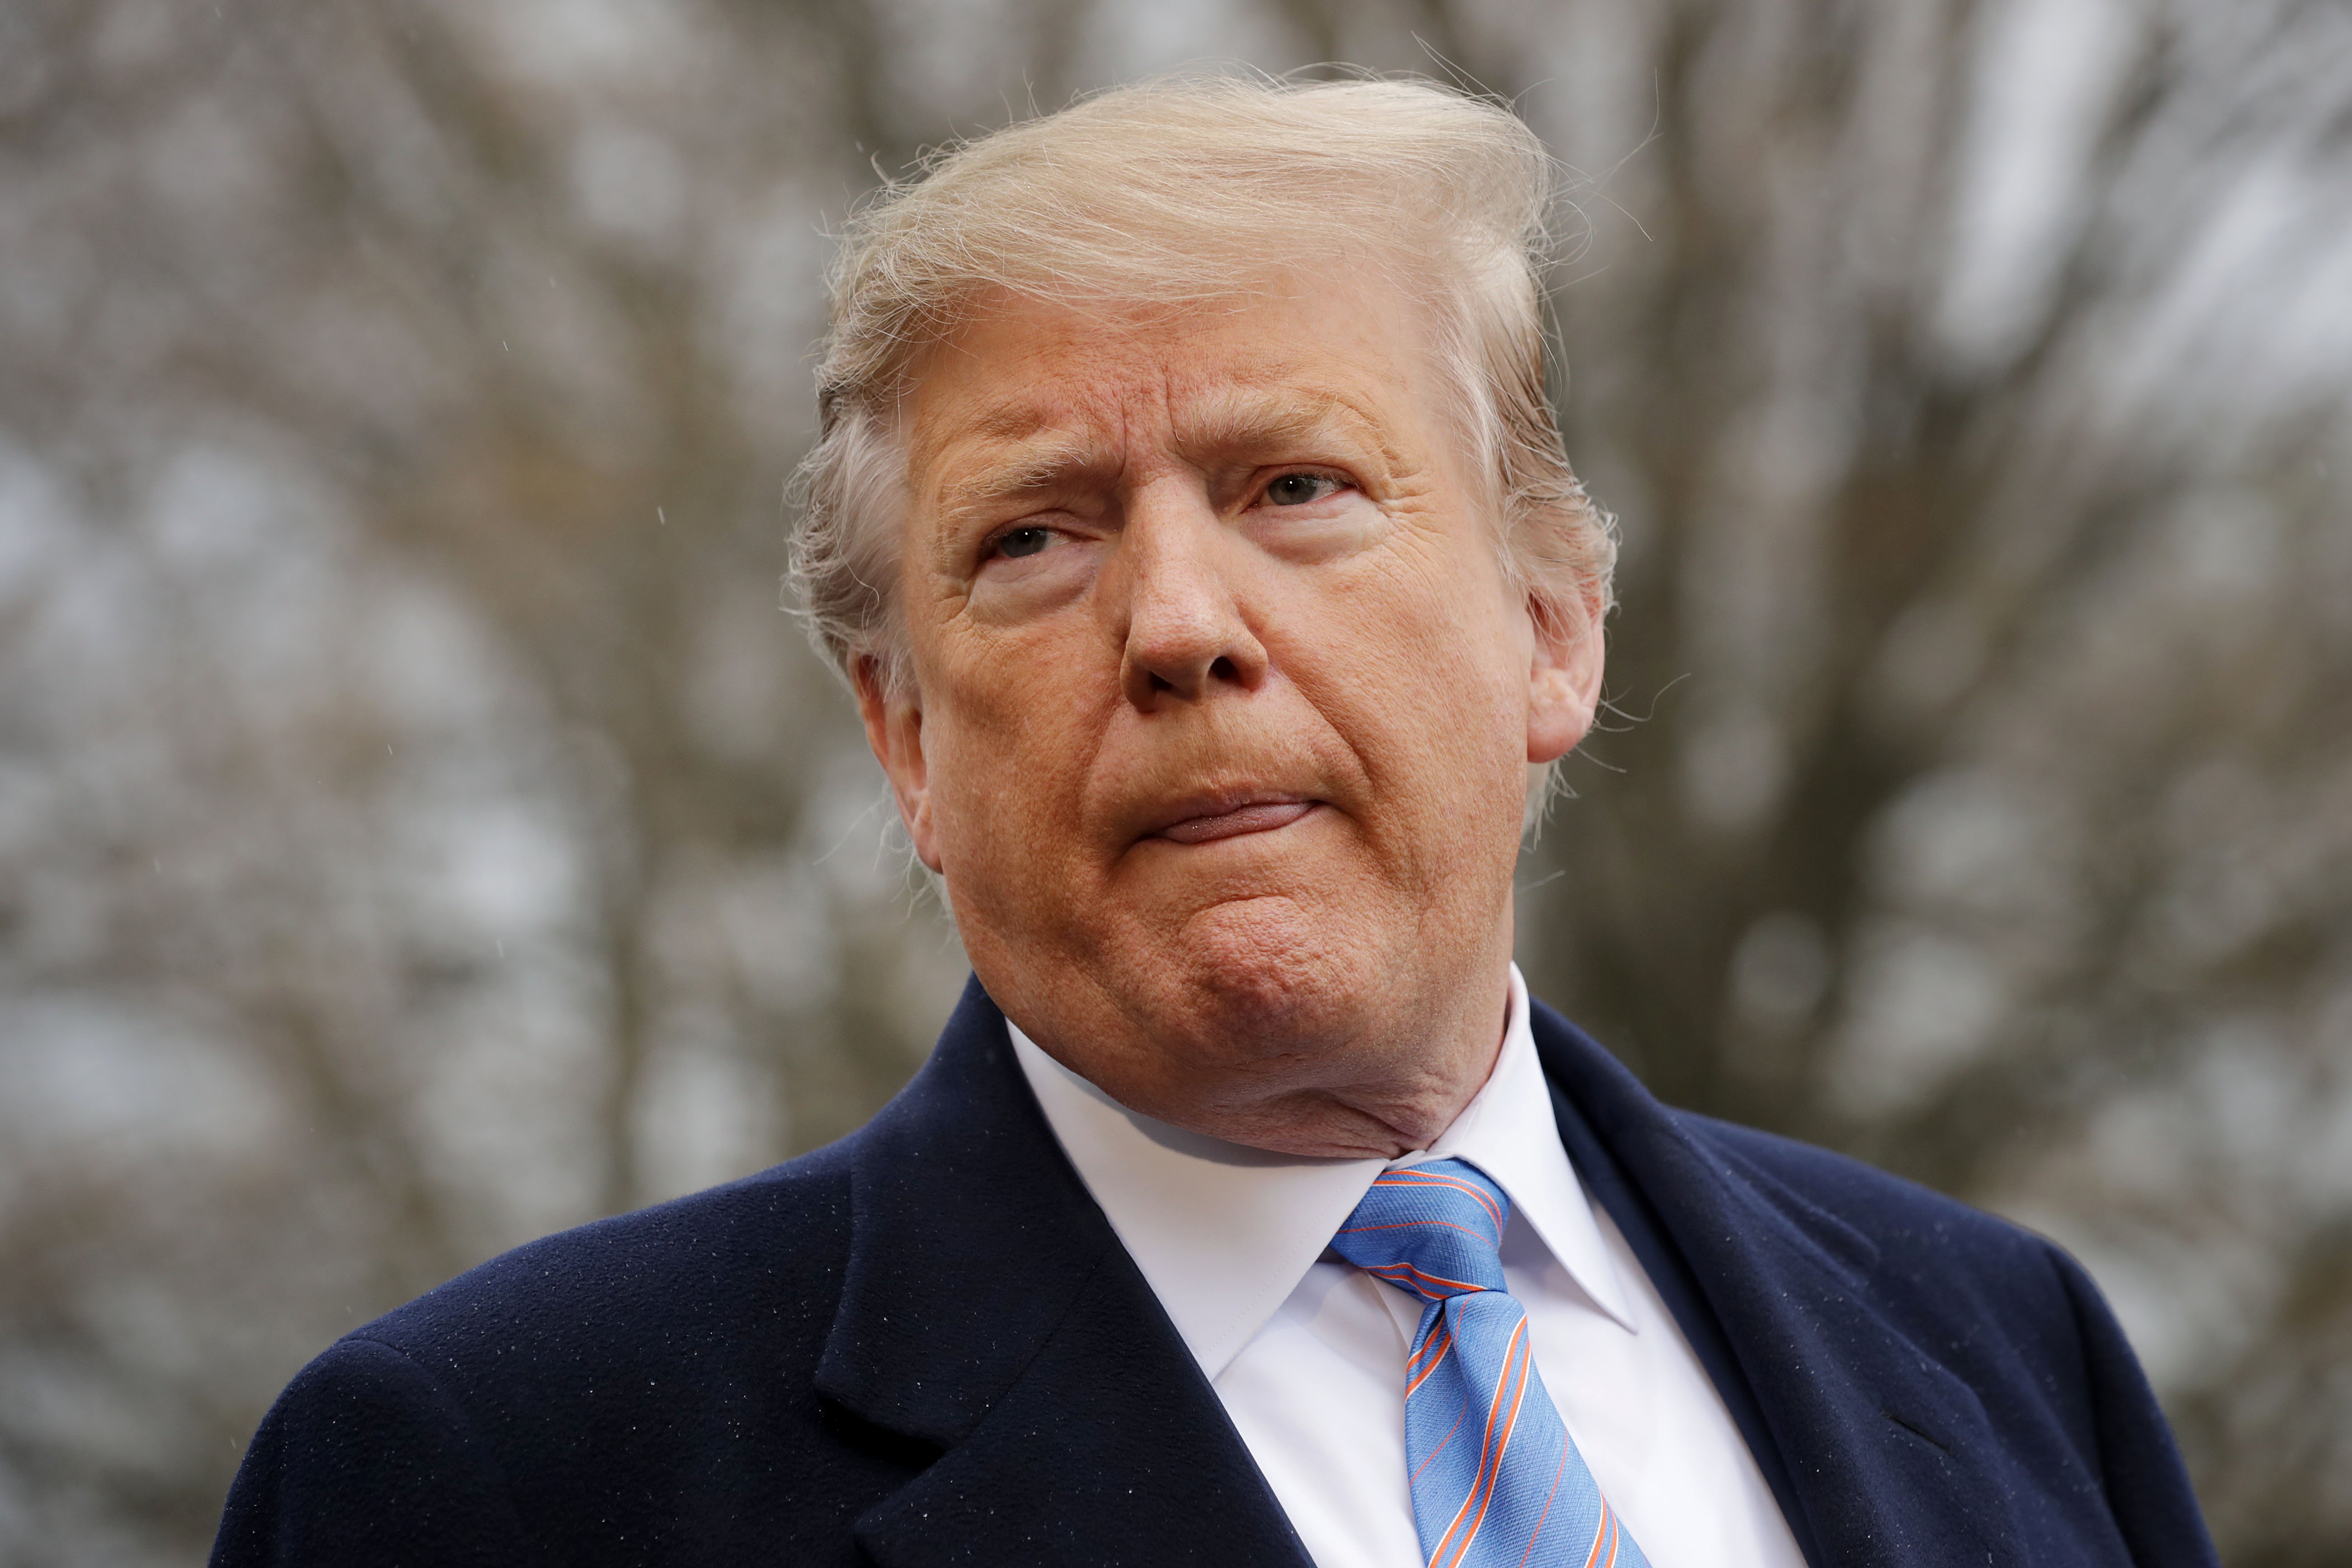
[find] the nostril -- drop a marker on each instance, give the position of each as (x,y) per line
(1222,670)
(1161,683)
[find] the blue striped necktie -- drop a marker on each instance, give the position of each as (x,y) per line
(1497,1480)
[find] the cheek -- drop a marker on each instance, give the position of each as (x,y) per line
(1418,666)
(1007,763)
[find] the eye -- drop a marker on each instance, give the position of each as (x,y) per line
(1298,489)
(1022,541)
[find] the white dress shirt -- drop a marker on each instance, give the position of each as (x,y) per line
(1307,1352)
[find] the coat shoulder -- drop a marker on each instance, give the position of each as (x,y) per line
(1886,1210)
(672,1348)
(2015,1321)
(2005,1309)
(1913,1241)
(766,1251)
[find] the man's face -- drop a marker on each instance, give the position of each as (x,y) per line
(1223,700)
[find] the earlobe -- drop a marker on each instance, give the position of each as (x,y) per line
(893,731)
(1563,676)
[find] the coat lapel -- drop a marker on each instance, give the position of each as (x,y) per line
(1883,1445)
(989,1310)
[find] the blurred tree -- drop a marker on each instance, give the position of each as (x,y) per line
(419,828)
(1986,552)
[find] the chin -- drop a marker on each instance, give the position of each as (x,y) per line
(1274,978)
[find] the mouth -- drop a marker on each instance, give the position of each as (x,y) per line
(1202,823)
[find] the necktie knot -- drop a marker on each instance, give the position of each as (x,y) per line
(1434,1229)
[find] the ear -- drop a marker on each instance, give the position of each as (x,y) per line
(1564,676)
(894,728)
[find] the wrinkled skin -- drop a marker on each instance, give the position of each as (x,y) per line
(1222,706)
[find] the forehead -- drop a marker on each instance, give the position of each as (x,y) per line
(1026,382)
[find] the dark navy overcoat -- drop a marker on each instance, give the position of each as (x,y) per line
(924,1345)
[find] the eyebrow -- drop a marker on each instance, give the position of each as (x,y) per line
(1019,454)
(1239,419)
(1025,467)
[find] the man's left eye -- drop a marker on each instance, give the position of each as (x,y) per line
(1298,489)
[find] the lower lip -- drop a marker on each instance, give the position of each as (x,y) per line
(1262,819)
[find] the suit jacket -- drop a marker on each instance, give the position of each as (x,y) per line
(925,1345)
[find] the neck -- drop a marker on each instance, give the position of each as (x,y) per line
(1360,1093)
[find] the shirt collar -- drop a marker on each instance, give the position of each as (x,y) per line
(1223,1232)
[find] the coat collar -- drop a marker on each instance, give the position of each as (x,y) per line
(988,1311)
(1884,1448)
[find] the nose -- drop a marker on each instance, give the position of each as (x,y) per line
(1185,633)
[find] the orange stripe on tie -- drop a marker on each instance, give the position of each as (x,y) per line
(1414,1379)
(1537,1533)
(1413,1176)
(1516,1354)
(1600,1534)
(1458,1287)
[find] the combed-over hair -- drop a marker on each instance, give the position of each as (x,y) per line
(1181,192)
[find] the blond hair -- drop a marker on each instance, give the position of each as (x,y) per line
(1179,191)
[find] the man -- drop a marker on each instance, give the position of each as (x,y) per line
(1191,525)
